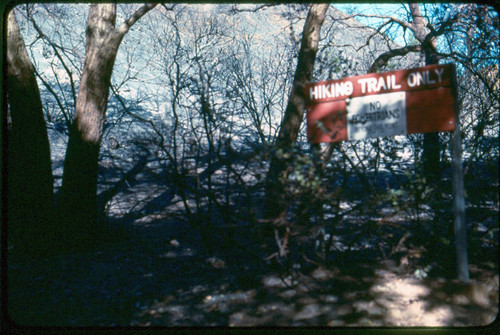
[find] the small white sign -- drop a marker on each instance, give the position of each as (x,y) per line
(378,115)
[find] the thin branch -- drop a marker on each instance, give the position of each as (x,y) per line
(389,18)
(235,9)
(58,101)
(443,27)
(378,33)
(140,118)
(55,47)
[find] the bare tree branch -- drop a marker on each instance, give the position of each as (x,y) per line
(384,58)
(143,120)
(388,18)
(235,9)
(55,47)
(423,31)
(56,97)
(125,26)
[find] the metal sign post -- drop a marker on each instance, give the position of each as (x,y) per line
(457,184)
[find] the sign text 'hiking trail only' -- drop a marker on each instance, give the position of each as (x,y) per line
(382,104)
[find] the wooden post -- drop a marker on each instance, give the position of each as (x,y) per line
(457,181)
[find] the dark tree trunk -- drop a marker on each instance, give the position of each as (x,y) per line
(294,112)
(30,198)
(78,195)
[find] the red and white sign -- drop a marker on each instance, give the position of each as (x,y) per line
(382,104)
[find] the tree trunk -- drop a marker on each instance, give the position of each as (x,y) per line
(431,146)
(290,125)
(78,196)
(30,183)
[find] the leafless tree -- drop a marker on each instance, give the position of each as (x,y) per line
(293,116)
(78,195)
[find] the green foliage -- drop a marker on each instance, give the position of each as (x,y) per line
(302,175)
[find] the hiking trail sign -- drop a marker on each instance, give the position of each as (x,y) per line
(394,103)
(382,104)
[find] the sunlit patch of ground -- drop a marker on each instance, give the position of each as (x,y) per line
(434,303)
(404,304)
(392,301)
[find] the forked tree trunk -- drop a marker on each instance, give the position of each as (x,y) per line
(78,197)
(294,112)
(30,198)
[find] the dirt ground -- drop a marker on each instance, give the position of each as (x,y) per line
(158,274)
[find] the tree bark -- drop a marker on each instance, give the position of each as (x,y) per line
(294,112)
(432,145)
(29,173)
(78,195)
